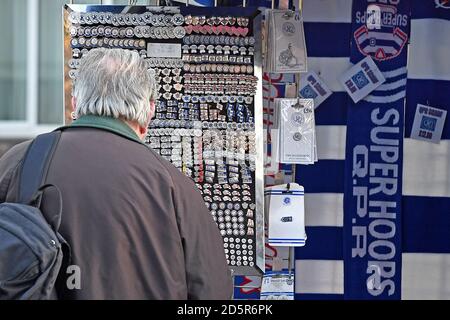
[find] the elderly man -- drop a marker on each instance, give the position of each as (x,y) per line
(137,227)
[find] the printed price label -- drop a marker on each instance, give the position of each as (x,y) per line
(164,50)
(362,79)
(428,123)
(313,87)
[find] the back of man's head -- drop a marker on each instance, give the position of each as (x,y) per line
(114,83)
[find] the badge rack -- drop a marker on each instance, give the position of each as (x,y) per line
(208,120)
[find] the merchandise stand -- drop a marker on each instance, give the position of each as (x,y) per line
(209,116)
(238,213)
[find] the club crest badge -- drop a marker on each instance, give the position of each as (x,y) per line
(288,58)
(385,42)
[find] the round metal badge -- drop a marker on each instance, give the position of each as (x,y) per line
(179,32)
(73,31)
(74,17)
(297,136)
(178,19)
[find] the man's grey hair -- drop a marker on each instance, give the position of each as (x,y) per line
(114,83)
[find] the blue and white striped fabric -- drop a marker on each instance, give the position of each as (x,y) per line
(319,265)
(426,166)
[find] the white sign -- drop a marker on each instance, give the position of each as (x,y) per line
(286,42)
(428,123)
(164,50)
(313,87)
(286,215)
(297,131)
(362,79)
(277,286)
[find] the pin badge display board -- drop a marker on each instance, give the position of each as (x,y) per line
(208,120)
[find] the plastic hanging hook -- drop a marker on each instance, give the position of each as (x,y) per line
(298,104)
(288,188)
(289,14)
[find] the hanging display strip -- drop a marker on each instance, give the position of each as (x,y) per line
(208,118)
(373,181)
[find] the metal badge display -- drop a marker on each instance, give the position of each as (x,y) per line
(208,122)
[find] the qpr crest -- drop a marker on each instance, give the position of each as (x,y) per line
(384,43)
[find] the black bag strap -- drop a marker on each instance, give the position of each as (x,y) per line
(32,184)
(34,169)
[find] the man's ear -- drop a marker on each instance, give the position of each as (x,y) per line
(152,108)
(143,130)
(74,106)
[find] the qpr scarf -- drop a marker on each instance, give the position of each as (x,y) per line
(374,154)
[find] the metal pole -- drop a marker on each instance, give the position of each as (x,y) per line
(269,119)
(215,3)
(187,3)
(273,4)
(233,278)
(244,3)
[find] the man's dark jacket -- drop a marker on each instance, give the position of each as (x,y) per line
(138,228)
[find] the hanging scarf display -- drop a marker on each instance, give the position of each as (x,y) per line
(374,153)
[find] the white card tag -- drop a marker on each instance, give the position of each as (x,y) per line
(277,286)
(297,131)
(287,47)
(313,87)
(428,123)
(164,50)
(286,215)
(362,79)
